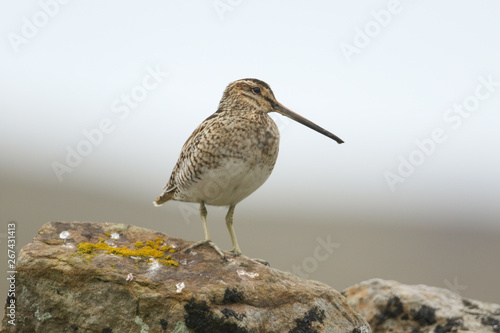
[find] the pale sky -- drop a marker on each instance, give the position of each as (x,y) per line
(412,87)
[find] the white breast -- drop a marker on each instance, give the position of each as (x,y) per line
(227,184)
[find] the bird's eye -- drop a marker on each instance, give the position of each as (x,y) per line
(256,90)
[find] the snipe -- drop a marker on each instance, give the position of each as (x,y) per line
(231,154)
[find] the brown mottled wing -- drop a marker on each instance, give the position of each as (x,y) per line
(187,154)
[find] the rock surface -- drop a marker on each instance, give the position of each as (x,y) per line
(393,307)
(104,277)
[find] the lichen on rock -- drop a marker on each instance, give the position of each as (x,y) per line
(153,249)
(390,306)
(106,277)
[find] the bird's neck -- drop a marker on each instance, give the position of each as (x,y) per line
(238,106)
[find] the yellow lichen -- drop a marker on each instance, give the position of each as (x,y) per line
(168,262)
(108,234)
(88,248)
(151,250)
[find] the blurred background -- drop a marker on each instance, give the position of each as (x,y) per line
(97,100)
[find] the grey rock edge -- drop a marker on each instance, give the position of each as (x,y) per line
(390,306)
(59,290)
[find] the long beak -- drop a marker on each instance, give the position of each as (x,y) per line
(292,115)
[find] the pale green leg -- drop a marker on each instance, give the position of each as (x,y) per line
(203,215)
(229,224)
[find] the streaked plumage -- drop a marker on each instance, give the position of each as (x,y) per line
(232,153)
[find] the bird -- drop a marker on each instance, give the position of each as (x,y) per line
(231,154)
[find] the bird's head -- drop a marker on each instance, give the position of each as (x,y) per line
(257,95)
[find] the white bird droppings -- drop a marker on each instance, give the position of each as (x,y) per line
(130,277)
(242,272)
(154,265)
(185,262)
(180,286)
(64,235)
(115,235)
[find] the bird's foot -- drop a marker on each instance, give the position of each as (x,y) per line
(260,261)
(211,244)
(235,253)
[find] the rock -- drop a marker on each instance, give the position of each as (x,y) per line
(393,307)
(105,277)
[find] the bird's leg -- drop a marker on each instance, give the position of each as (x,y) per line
(203,215)
(229,224)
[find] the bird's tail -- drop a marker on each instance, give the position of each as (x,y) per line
(166,196)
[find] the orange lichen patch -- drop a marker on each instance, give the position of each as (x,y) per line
(141,251)
(157,244)
(149,249)
(89,248)
(168,262)
(146,251)
(169,249)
